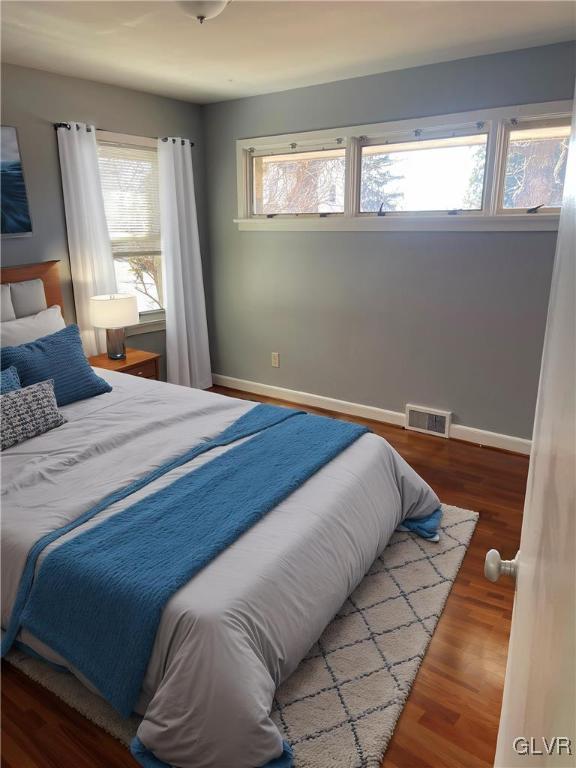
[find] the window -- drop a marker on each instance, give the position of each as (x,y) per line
(536,166)
(494,169)
(299,182)
(129,178)
(430,175)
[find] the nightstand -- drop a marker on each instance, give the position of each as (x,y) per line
(137,363)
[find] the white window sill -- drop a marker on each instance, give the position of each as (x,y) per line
(150,322)
(512,222)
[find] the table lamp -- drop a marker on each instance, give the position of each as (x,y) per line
(114,311)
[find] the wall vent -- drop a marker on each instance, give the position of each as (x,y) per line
(429,420)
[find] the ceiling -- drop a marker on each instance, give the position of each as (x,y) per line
(265,46)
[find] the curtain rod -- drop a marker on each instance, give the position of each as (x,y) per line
(89,129)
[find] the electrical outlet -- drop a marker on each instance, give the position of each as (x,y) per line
(275,359)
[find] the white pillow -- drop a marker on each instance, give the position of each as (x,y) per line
(6,306)
(25,329)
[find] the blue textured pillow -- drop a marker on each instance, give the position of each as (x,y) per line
(9,380)
(60,357)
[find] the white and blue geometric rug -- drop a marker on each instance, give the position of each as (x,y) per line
(339,709)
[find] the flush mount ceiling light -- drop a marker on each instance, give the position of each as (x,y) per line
(204,9)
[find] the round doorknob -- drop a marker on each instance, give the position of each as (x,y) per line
(494,566)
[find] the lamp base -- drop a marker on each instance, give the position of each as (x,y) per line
(115,343)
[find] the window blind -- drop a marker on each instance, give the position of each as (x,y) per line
(129,177)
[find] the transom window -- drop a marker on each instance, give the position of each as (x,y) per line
(536,165)
(129,178)
(443,174)
(299,182)
(500,168)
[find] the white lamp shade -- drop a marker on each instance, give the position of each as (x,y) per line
(114,310)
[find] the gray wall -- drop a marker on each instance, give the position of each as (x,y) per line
(32,101)
(454,320)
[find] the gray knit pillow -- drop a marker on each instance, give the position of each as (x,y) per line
(29,412)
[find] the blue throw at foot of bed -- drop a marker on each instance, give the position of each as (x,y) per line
(426,527)
(98,598)
(256,420)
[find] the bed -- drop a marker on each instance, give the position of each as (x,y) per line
(240,626)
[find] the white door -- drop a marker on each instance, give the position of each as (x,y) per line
(540,688)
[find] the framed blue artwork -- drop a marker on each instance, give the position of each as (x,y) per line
(13,198)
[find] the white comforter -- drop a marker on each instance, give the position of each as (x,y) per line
(241,626)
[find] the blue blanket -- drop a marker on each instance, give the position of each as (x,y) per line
(256,420)
(426,527)
(98,598)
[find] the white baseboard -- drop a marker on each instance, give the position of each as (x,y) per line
(458,431)
(491,439)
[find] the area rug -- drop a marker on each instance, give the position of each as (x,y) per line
(339,709)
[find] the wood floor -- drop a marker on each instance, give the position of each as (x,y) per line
(451,717)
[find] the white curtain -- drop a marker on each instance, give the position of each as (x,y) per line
(187,353)
(91,262)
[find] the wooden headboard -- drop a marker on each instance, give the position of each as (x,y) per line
(47,271)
